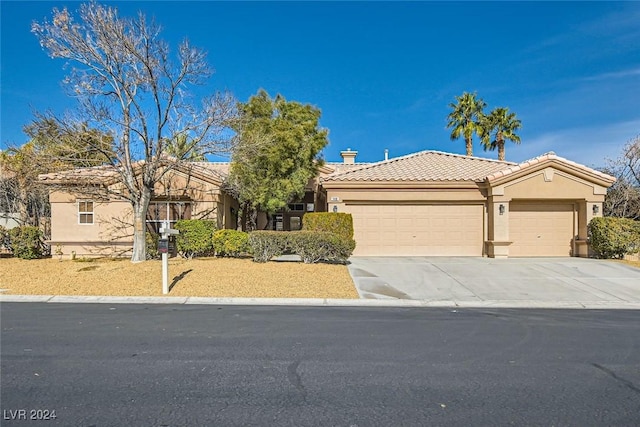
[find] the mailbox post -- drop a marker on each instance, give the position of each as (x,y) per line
(163,248)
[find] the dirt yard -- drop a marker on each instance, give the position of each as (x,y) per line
(209,277)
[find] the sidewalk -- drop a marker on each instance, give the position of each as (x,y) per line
(322,302)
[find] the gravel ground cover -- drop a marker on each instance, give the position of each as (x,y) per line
(206,277)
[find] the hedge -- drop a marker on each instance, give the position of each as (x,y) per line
(231,243)
(151,240)
(329,222)
(311,246)
(614,237)
(26,242)
(195,238)
(268,244)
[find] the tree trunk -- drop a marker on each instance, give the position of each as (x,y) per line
(469,142)
(245,216)
(23,204)
(140,207)
(500,143)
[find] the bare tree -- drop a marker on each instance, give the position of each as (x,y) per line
(623,198)
(128,87)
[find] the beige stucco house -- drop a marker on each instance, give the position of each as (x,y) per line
(95,221)
(439,204)
(424,204)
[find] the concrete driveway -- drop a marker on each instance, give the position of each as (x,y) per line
(535,282)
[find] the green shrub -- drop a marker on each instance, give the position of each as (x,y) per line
(26,242)
(614,237)
(313,246)
(152,245)
(331,222)
(268,244)
(231,243)
(195,238)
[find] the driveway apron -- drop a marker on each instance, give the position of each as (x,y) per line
(474,279)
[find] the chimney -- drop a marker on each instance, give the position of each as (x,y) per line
(386,154)
(348,157)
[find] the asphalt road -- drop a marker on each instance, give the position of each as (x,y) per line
(166,365)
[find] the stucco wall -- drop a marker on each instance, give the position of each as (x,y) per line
(546,185)
(112,230)
(111,226)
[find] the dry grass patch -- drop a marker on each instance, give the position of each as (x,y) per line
(208,277)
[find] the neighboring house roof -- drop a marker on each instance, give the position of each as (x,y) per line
(423,166)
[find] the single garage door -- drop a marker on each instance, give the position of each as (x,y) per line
(541,229)
(422,230)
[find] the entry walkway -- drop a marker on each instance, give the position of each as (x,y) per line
(532,281)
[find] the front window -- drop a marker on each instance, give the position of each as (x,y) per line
(85,212)
(161,211)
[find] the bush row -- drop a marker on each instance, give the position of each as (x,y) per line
(614,237)
(195,238)
(24,242)
(311,246)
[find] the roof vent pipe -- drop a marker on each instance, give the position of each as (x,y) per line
(386,154)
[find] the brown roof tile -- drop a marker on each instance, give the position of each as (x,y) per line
(108,173)
(424,166)
(543,158)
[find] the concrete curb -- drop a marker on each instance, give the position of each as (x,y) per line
(322,302)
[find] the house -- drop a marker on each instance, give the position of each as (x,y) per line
(428,203)
(439,204)
(88,219)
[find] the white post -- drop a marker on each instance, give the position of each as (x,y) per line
(165,232)
(165,273)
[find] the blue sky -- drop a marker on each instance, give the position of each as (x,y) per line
(383,73)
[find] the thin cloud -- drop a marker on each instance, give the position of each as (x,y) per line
(591,146)
(614,75)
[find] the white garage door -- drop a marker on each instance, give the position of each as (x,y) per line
(541,229)
(424,230)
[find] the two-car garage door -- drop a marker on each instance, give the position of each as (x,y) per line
(535,229)
(413,229)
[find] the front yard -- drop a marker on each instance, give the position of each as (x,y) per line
(207,277)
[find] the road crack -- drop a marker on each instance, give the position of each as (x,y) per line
(613,375)
(295,378)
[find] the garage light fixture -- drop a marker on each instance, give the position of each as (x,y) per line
(501,209)
(596,209)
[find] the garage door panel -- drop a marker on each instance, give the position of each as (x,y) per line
(427,230)
(541,229)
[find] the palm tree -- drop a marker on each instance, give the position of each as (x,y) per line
(503,126)
(184,149)
(465,119)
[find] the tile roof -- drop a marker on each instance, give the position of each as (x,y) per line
(108,173)
(339,167)
(424,166)
(543,158)
(95,173)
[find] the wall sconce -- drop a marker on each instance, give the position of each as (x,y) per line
(335,208)
(596,209)
(501,209)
